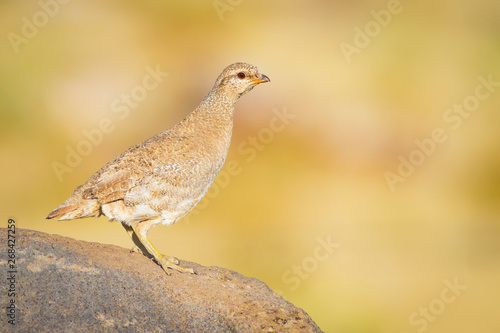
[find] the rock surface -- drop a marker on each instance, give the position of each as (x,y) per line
(65,285)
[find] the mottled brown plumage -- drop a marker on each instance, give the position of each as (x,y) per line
(161,179)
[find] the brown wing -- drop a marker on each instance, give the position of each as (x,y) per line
(110,186)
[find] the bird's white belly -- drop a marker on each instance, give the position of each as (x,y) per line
(182,208)
(118,211)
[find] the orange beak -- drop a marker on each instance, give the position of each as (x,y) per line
(263,78)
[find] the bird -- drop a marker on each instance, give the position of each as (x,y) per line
(161,179)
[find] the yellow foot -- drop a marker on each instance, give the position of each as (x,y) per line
(172,260)
(173,263)
(137,249)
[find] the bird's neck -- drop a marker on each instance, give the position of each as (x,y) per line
(213,118)
(215,111)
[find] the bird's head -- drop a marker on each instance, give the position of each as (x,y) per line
(238,79)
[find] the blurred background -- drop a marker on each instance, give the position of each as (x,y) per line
(330,201)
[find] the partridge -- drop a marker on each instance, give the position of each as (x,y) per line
(161,179)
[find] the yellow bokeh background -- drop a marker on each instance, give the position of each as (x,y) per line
(320,175)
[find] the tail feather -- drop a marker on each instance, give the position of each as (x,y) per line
(91,209)
(76,207)
(61,211)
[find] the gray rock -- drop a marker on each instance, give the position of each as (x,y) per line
(66,285)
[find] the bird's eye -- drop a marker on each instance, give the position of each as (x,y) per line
(241,75)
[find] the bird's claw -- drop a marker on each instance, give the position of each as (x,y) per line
(173,263)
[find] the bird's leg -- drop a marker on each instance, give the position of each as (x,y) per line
(138,248)
(141,231)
